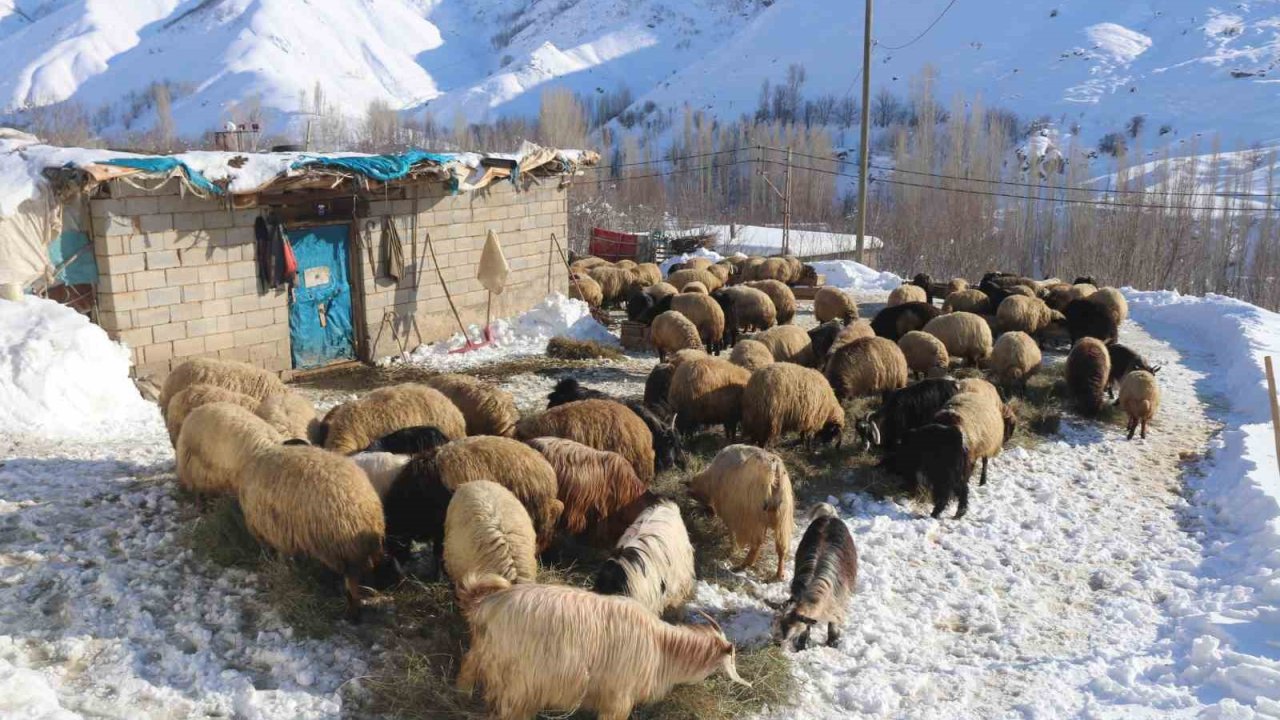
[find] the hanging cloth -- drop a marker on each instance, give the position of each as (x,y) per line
(493,270)
(392,249)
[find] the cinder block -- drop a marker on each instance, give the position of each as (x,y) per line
(150,317)
(218,219)
(228,288)
(120,264)
(118,225)
(240,354)
(248,337)
(162,259)
(275,332)
(244,303)
(215,308)
(135,338)
(156,223)
(161,297)
(202,327)
(184,312)
(232,323)
(182,276)
(185,205)
(148,279)
(157,352)
(221,341)
(188,221)
(112,321)
(170,332)
(188,347)
(113,283)
(147,205)
(259,318)
(193,257)
(263,351)
(239,236)
(242,269)
(212,274)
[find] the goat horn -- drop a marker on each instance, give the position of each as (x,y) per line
(710,620)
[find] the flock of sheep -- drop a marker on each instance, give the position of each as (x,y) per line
(450,462)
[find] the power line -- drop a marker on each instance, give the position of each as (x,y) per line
(923,32)
(657,161)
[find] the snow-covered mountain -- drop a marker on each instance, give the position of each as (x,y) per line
(1193,65)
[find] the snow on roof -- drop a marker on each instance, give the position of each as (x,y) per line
(760,240)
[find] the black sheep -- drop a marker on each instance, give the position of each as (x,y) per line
(409,441)
(1090,319)
(825,577)
(995,285)
(1125,360)
(658,384)
(725,300)
(906,409)
(668,448)
(655,309)
(414,509)
(923,281)
(1085,280)
(893,322)
(638,304)
(936,456)
(822,338)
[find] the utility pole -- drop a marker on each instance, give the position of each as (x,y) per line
(786,209)
(863,149)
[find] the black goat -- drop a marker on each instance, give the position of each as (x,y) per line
(825,577)
(894,322)
(822,338)
(1125,360)
(409,441)
(923,281)
(638,304)
(937,457)
(1085,280)
(414,509)
(668,448)
(656,308)
(995,285)
(658,385)
(904,410)
(725,301)
(1090,319)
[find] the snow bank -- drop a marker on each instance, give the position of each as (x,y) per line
(1238,492)
(849,275)
(61,375)
(711,255)
(524,335)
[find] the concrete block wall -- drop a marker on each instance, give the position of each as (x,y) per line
(177,279)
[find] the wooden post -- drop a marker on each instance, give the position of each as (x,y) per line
(786,209)
(1275,405)
(865,136)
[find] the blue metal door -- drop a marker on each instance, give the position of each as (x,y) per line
(320,311)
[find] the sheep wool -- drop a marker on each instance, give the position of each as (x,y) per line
(784,299)
(583,287)
(704,313)
(586,263)
(968,300)
(658,384)
(601,424)
(1113,301)
(787,343)
(487,408)
(831,303)
(653,561)
(301,500)
(721,271)
(868,366)
(892,323)
(615,282)
(923,352)
(1088,369)
(659,290)
(382,468)
(699,263)
(751,354)
(229,374)
(956,285)
(593,485)
(980,417)
(708,391)
(215,442)
(487,531)
(695,288)
(1140,399)
(1015,358)
(680,278)
(292,415)
(784,398)
(649,273)
(774,268)
(753,308)
(966,336)
(749,489)
(906,294)
(1019,313)
(198,395)
(353,425)
(672,331)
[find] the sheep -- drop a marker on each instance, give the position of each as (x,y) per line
(1084,280)
(1088,369)
(774,268)
(906,294)
(658,384)
(1025,314)
(197,395)
(825,577)
(696,288)
(698,263)
(783,398)
(1019,291)
(382,468)
(215,442)
(822,337)
(653,561)
(593,485)
(1057,296)
(751,354)
(866,367)
(924,352)
(553,647)
(787,343)
(659,290)
(671,331)
(639,306)
(750,268)
(649,273)
(667,448)
(721,271)
(784,299)
(488,531)
(305,501)
(745,308)
(487,408)
(966,336)
(680,357)
(892,323)
(749,489)
(1083,290)
(1015,358)
(354,425)
(855,330)
(1140,399)
(1113,301)
(708,391)
(228,374)
(971,301)
(680,278)
(925,283)
(601,424)
(1123,361)
(583,287)
(978,411)
(702,311)
(615,283)
(955,285)
(904,410)
(1090,319)
(831,303)
(587,262)
(409,441)
(625,264)
(292,415)
(997,286)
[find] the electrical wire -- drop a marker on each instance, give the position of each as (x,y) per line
(923,32)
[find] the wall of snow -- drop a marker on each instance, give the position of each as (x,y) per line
(852,276)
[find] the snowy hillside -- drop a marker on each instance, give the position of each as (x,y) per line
(1193,65)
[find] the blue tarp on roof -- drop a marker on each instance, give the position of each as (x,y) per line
(383,168)
(165,165)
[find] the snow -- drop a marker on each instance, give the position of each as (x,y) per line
(1118,41)
(701,252)
(853,276)
(61,375)
(524,335)
(760,240)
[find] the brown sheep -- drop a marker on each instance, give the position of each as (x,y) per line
(788,343)
(229,374)
(970,301)
(722,272)
(1140,399)
(750,268)
(671,331)
(584,264)
(749,489)
(708,391)
(1025,314)
(774,268)
(649,273)
(924,352)
(751,354)
(956,285)
(696,288)
(353,425)
(783,398)
(487,530)
(583,287)
(753,309)
(698,263)
(1058,296)
(831,303)
(215,442)
(659,290)
(967,336)
(1088,368)
(784,299)
(868,366)
(1113,301)
(594,485)
(855,330)
(680,278)
(905,294)
(615,283)
(487,408)
(980,416)
(1015,358)
(197,395)
(601,424)
(705,313)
